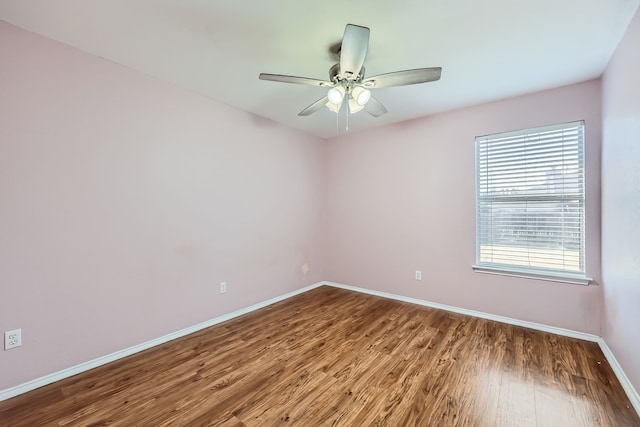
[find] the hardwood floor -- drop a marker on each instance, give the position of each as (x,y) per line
(331,357)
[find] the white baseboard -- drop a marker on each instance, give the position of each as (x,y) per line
(82,367)
(65,373)
(632,393)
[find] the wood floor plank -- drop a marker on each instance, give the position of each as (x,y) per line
(516,402)
(331,357)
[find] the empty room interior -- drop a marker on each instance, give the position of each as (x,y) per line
(357,213)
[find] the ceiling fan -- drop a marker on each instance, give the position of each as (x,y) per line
(347,80)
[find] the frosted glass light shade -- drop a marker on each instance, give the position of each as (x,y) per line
(362,95)
(335,96)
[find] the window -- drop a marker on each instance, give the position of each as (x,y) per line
(530,203)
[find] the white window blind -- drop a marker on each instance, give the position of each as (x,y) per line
(530,201)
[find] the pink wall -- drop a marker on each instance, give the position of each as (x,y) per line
(125,201)
(402,198)
(621,203)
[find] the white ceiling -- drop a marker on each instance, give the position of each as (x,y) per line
(487,50)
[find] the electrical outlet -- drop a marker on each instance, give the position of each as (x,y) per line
(304,269)
(418,275)
(12,339)
(223,287)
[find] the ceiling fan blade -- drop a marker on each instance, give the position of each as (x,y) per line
(353,50)
(402,78)
(314,107)
(296,80)
(375,107)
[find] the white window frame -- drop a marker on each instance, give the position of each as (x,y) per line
(497,259)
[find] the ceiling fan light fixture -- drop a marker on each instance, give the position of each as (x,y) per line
(333,107)
(335,95)
(361,95)
(354,107)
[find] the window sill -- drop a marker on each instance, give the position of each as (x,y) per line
(562,278)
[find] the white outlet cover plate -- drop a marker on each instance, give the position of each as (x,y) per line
(12,339)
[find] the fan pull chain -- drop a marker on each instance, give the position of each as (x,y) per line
(346,112)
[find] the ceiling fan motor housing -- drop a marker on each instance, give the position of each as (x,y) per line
(336,76)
